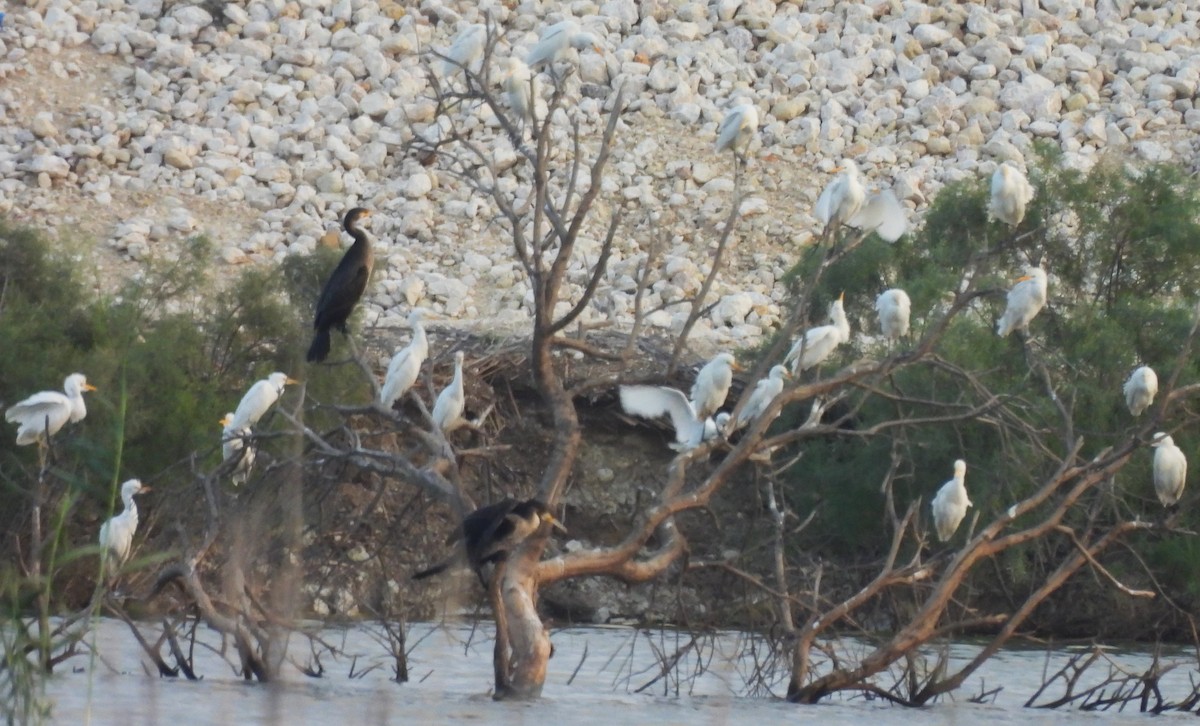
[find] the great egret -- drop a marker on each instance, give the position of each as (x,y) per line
(883,214)
(764,392)
(467,48)
(448,409)
(1170,470)
(344,287)
(737,128)
(489,533)
(1140,389)
(841,199)
(1011,191)
(235,445)
(45,413)
(116,535)
(1025,301)
(406,364)
(950,504)
(817,343)
(712,385)
(893,307)
(261,396)
(655,401)
(519,90)
(554,41)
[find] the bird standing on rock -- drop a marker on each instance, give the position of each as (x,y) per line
(344,288)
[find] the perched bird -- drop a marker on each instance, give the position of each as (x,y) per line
(893,307)
(1025,301)
(406,364)
(489,533)
(1170,470)
(467,48)
(234,445)
(712,385)
(519,90)
(43,414)
(950,504)
(842,198)
(344,287)
(883,214)
(1011,191)
(817,343)
(554,42)
(116,535)
(261,396)
(1140,389)
(448,409)
(654,401)
(764,392)
(737,128)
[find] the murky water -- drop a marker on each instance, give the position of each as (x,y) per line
(597,676)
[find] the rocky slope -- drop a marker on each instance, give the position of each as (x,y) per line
(257,123)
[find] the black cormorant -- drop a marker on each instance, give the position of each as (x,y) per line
(490,533)
(344,287)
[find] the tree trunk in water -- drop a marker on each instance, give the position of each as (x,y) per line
(518,626)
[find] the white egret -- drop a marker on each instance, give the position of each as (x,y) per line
(406,364)
(116,535)
(712,385)
(448,409)
(841,199)
(817,343)
(655,401)
(554,42)
(45,413)
(737,128)
(1011,191)
(893,307)
(235,445)
(258,399)
(1170,470)
(950,504)
(1140,389)
(467,48)
(1025,301)
(764,392)
(883,214)
(519,90)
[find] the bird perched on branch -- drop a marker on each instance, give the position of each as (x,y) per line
(519,90)
(764,392)
(1170,469)
(712,385)
(654,401)
(893,307)
(344,288)
(1140,389)
(406,364)
(448,409)
(43,414)
(556,40)
(1011,191)
(261,396)
(467,48)
(950,504)
(116,535)
(235,445)
(737,129)
(490,533)
(818,343)
(883,214)
(1025,301)
(841,199)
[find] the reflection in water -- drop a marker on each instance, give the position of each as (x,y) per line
(597,676)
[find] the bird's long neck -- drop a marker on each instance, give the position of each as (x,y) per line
(419,342)
(360,243)
(457,382)
(130,508)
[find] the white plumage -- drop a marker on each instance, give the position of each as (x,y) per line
(883,214)
(1025,301)
(518,90)
(1140,389)
(49,410)
(737,128)
(950,504)
(467,48)
(817,343)
(764,392)
(842,198)
(235,445)
(448,409)
(554,41)
(655,401)
(261,396)
(893,307)
(1170,470)
(116,535)
(712,385)
(1011,191)
(406,364)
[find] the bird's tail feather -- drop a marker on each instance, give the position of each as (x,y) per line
(319,349)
